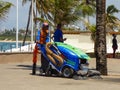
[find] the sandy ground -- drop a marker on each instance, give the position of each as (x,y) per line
(15,74)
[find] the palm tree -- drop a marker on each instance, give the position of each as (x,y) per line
(111,20)
(100,52)
(42,7)
(4,9)
(64,11)
(24,1)
(54,11)
(57,11)
(85,9)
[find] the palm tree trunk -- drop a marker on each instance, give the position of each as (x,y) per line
(100,52)
(27,24)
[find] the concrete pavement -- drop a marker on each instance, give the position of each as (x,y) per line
(16,76)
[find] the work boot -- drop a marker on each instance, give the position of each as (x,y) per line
(41,71)
(34,69)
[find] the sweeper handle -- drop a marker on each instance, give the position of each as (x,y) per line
(52,56)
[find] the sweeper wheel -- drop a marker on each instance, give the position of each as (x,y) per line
(67,72)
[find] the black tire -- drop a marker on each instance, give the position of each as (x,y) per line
(67,72)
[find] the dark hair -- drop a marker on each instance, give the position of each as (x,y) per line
(59,25)
(114,35)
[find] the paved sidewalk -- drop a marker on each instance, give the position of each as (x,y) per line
(16,76)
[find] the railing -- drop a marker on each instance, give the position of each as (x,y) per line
(11,48)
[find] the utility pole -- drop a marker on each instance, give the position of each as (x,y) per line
(32,24)
(17,24)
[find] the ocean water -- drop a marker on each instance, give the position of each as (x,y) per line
(9,45)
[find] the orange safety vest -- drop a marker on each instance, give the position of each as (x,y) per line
(43,36)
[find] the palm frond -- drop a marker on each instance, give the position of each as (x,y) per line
(112,9)
(4,9)
(25,1)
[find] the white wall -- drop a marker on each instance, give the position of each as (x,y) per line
(84,42)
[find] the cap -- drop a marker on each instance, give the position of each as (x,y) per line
(45,24)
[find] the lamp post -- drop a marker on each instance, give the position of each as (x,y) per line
(17,24)
(32,24)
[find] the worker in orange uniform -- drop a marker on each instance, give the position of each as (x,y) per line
(42,38)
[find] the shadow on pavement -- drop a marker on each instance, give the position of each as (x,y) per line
(112,79)
(109,78)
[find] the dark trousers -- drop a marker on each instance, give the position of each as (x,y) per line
(44,63)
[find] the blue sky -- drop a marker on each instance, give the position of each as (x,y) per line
(10,22)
